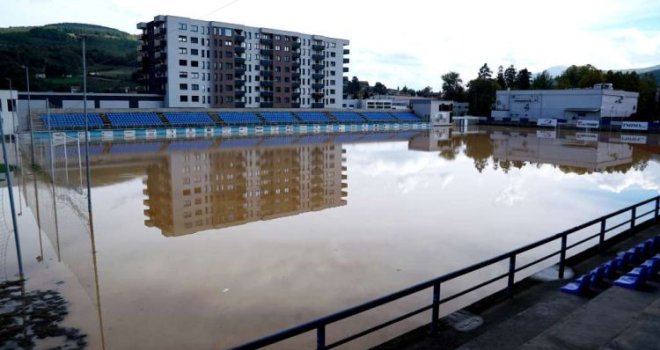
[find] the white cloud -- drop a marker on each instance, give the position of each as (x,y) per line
(412,43)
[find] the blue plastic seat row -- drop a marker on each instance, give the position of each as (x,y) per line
(279,117)
(312,117)
(406,117)
(641,255)
(347,117)
(71,120)
(239,118)
(134,119)
(188,118)
(378,117)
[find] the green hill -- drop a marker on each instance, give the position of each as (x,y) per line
(55,50)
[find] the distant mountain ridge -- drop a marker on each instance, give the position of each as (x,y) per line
(54,50)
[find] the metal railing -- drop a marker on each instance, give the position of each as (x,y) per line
(320,324)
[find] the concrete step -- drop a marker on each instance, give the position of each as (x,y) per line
(597,323)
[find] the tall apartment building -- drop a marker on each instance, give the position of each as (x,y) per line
(198,63)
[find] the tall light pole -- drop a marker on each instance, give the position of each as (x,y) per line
(29,115)
(11,191)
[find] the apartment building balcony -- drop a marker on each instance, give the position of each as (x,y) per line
(266,83)
(317,105)
(266,73)
(266,52)
(239,38)
(239,82)
(317,95)
(295,45)
(266,94)
(239,94)
(295,95)
(295,65)
(318,47)
(295,55)
(295,84)
(266,62)
(347,51)
(318,86)
(345,69)
(346,60)
(239,49)
(266,105)
(239,105)
(318,67)
(318,76)
(142,25)
(239,60)
(239,72)
(295,105)
(318,57)
(266,41)
(295,76)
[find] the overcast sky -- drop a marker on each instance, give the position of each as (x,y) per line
(410,42)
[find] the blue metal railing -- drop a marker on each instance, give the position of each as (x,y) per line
(320,324)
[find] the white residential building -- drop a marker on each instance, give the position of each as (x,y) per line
(206,64)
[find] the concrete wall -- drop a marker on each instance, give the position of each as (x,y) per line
(8,113)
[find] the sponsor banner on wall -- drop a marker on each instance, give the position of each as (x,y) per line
(635,125)
(589,124)
(586,136)
(151,134)
(259,130)
(638,139)
(546,122)
(129,134)
(243,130)
(190,132)
(208,131)
(107,135)
(274,130)
(170,133)
(226,130)
(302,129)
(316,128)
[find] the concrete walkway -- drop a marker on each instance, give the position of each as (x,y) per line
(541,317)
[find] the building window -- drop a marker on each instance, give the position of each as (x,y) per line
(228,43)
(194,75)
(195,98)
(194,52)
(227,32)
(195,40)
(183,39)
(183,62)
(195,87)
(194,63)
(183,26)
(194,28)
(183,51)
(183,86)
(183,75)
(183,98)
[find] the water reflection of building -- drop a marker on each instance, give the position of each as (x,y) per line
(571,151)
(193,191)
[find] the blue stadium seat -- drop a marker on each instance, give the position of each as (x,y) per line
(406,117)
(313,117)
(188,118)
(634,279)
(652,265)
(68,121)
(597,276)
(378,117)
(134,119)
(347,117)
(578,287)
(239,118)
(279,117)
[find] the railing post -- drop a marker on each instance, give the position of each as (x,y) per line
(633,214)
(512,273)
(657,208)
(320,338)
(435,314)
(601,237)
(562,256)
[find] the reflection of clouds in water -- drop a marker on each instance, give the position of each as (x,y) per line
(419,172)
(511,194)
(618,183)
(611,182)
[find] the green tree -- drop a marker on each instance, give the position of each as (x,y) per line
(510,77)
(379,89)
(523,79)
(543,81)
(485,72)
(500,77)
(481,96)
(353,88)
(579,77)
(452,87)
(425,92)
